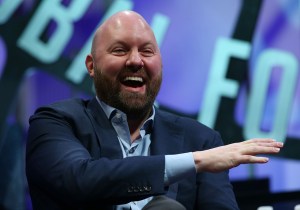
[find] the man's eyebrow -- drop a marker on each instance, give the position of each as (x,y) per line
(148,44)
(121,42)
(117,43)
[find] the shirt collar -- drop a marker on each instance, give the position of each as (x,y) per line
(111,111)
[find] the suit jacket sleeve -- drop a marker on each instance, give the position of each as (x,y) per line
(60,165)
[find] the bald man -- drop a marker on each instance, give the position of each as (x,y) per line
(117,150)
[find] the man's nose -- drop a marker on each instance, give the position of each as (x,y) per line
(134,61)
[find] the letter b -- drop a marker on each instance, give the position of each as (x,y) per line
(51,10)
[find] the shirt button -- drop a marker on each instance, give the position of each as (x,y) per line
(130,189)
(147,188)
(131,150)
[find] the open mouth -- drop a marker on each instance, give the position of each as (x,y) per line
(133,81)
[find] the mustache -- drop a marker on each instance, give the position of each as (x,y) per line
(126,72)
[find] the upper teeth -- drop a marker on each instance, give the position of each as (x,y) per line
(138,79)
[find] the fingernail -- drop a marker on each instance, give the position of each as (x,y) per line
(279,144)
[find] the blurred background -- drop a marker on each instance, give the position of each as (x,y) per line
(233,65)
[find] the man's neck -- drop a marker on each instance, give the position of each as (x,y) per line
(135,124)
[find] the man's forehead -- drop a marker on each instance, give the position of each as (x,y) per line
(122,23)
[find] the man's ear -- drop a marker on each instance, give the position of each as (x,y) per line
(89,65)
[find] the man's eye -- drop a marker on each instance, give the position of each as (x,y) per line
(147,52)
(119,51)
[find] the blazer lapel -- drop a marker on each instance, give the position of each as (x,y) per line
(167,135)
(167,138)
(107,137)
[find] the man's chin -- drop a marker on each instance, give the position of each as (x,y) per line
(134,90)
(136,106)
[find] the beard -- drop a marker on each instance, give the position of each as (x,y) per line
(134,105)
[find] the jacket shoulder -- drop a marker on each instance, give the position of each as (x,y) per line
(67,105)
(192,129)
(72,108)
(183,121)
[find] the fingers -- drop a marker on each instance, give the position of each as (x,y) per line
(253,159)
(261,146)
(264,141)
(258,149)
(253,147)
(261,141)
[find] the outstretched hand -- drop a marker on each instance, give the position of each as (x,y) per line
(231,155)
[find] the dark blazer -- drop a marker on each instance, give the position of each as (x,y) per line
(74,161)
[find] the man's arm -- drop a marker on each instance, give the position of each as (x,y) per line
(59,165)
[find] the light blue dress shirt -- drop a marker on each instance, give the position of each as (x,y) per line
(176,166)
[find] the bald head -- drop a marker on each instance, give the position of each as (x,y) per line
(127,20)
(124,17)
